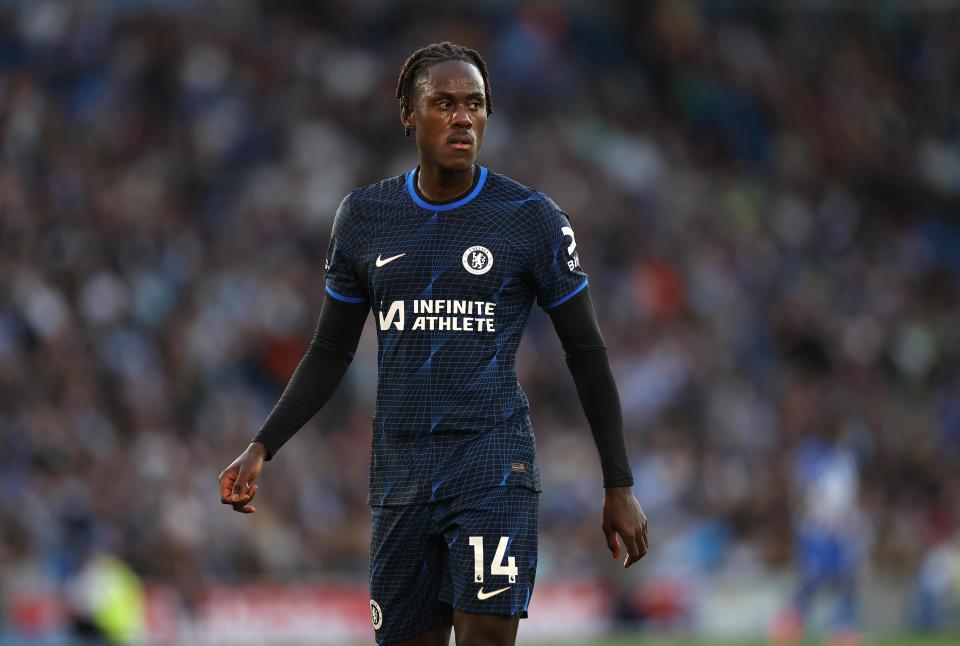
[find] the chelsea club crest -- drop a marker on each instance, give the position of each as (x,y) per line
(477,260)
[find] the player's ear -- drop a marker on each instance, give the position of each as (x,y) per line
(406,118)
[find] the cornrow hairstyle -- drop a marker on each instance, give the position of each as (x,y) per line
(430,55)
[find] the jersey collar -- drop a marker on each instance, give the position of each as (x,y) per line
(449,205)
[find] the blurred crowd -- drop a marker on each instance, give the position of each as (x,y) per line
(765,200)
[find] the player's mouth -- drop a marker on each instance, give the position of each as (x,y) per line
(461,142)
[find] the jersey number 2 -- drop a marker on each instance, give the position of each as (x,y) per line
(497,567)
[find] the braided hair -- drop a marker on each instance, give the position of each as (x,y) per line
(430,55)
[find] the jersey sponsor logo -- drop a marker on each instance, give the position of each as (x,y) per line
(483,596)
(394,316)
(477,260)
(376,615)
(380,262)
(440,315)
(574,261)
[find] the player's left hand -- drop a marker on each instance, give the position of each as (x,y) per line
(623,516)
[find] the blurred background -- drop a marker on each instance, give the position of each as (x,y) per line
(765,196)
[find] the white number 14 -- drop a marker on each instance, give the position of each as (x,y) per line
(497,567)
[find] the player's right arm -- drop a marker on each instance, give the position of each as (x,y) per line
(313,382)
(320,370)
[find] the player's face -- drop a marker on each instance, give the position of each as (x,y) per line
(449,115)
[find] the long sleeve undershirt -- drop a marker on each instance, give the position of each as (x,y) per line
(319,373)
(576,324)
(338,333)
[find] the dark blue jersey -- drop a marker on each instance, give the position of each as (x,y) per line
(451,286)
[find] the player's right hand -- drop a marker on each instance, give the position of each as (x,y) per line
(237,487)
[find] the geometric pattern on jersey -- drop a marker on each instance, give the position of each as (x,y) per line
(423,564)
(451,287)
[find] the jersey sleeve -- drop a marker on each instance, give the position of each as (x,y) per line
(343,280)
(556,271)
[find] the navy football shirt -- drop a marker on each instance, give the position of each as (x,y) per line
(451,286)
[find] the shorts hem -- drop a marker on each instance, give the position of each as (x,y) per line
(397,640)
(522,613)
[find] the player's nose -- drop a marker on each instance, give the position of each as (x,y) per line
(462,117)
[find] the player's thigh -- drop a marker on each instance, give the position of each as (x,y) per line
(491,561)
(438,636)
(406,569)
(485,630)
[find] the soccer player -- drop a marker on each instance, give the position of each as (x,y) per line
(451,257)
(831,542)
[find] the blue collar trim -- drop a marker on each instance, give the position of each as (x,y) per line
(444,207)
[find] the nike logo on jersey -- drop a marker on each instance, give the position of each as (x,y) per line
(383,261)
(483,596)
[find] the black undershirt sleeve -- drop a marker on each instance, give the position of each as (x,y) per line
(320,371)
(586,353)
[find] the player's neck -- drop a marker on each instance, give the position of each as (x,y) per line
(439,185)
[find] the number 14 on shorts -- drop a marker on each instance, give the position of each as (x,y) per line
(497,568)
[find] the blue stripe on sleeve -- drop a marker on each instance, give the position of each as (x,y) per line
(346,299)
(566,298)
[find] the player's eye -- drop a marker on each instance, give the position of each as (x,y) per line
(445,105)
(475,105)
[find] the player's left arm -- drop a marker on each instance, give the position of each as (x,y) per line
(576,324)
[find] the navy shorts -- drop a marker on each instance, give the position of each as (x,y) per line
(476,553)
